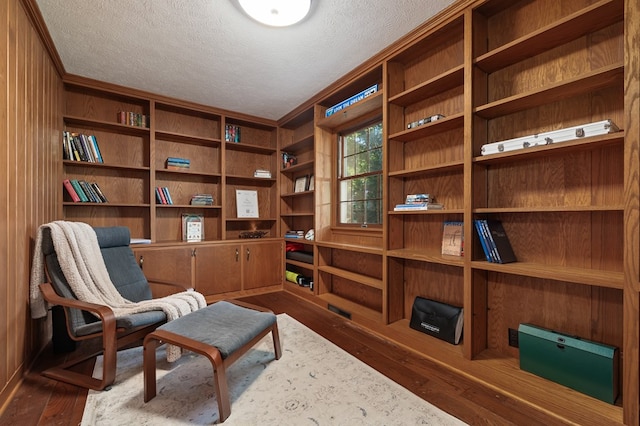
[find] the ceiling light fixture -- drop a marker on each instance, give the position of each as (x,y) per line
(276,13)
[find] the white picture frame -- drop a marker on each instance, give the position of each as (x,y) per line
(300,184)
(311,184)
(247,203)
(192,227)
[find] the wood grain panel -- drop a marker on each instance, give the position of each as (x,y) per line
(30,105)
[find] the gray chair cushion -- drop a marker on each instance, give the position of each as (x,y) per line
(124,272)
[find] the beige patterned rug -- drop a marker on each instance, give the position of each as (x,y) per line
(314,383)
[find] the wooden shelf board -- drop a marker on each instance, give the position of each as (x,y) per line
(106,125)
(592,142)
(302,144)
(584,276)
(71,163)
(549,209)
(421,255)
(352,276)
(592,81)
(296,194)
(435,169)
(251,179)
(189,172)
(250,219)
(298,263)
(297,167)
(441,83)
(297,214)
(439,126)
(418,212)
(356,310)
(586,21)
(240,146)
(350,247)
(106,205)
(183,138)
(188,206)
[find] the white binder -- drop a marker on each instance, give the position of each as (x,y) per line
(555,136)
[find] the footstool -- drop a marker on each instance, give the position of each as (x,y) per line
(222,332)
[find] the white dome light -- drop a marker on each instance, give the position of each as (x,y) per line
(276,13)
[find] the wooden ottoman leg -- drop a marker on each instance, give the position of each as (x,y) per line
(149,367)
(219,381)
(276,340)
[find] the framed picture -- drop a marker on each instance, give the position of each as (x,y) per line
(301,184)
(311,183)
(247,203)
(192,227)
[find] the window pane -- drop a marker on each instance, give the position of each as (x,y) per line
(360,181)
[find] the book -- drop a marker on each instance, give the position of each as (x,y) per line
(76,185)
(418,198)
(192,227)
(96,149)
(72,192)
(167,195)
(202,200)
(453,238)
(98,191)
(482,237)
(418,207)
(499,240)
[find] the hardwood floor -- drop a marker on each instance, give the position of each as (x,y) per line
(40,401)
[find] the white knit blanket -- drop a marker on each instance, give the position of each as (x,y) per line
(81,261)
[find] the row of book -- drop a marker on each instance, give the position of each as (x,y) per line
(202,200)
(80,147)
(177,163)
(82,191)
(494,241)
(232,133)
(417,202)
(136,119)
(163,196)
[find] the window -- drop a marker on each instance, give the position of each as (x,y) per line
(360,176)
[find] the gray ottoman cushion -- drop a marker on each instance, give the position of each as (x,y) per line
(223,325)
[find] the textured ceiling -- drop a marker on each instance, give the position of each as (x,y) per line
(209,52)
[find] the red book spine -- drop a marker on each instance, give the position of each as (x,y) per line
(71,191)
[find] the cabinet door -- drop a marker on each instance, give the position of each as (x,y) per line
(262,264)
(218,269)
(166,265)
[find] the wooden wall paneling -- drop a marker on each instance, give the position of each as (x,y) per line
(30,105)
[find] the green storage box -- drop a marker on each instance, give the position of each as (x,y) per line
(588,367)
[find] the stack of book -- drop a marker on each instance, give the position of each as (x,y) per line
(80,147)
(232,133)
(418,202)
(202,200)
(162,195)
(177,163)
(262,173)
(299,234)
(81,191)
(494,241)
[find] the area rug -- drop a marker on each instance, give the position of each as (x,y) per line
(313,383)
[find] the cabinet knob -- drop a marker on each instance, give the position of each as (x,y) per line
(237,255)
(248,253)
(141,261)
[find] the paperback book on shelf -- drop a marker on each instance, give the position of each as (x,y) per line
(453,238)
(202,200)
(418,207)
